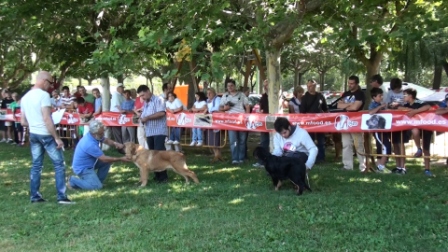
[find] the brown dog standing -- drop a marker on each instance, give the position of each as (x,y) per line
(155,161)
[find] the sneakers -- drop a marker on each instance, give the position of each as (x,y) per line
(176,142)
(3,141)
(419,153)
(9,141)
(193,143)
(257,165)
(169,142)
(240,161)
(65,201)
(382,169)
(235,162)
(199,144)
(38,201)
(400,171)
(428,173)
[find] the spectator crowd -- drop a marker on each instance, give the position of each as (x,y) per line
(152,131)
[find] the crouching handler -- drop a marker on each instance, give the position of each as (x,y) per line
(89,157)
(293,141)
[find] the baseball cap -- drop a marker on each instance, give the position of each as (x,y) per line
(120,85)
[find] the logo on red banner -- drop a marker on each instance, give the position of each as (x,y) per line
(343,122)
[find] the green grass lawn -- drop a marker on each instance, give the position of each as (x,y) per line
(232,209)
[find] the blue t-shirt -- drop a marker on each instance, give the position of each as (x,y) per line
(128,105)
(86,154)
(98,103)
(374,105)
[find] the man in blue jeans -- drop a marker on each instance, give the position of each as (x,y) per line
(153,116)
(89,157)
(36,114)
(234,102)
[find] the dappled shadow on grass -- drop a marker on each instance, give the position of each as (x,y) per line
(233,183)
(232,209)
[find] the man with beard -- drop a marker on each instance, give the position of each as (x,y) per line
(353,101)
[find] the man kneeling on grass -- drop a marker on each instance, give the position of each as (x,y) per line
(293,141)
(89,157)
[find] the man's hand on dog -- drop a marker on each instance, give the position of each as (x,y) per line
(125,159)
(118,146)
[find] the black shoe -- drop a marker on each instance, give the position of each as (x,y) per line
(399,171)
(65,201)
(38,200)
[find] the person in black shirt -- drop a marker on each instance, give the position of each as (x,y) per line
(314,102)
(352,100)
(415,107)
(7,126)
(264,109)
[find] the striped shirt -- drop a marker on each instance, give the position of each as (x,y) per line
(67,101)
(157,126)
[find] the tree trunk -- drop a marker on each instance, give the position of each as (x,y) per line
(345,82)
(179,66)
(445,67)
(90,82)
(259,64)
(247,73)
(106,103)
(252,83)
(120,79)
(437,81)
(372,68)
(150,82)
(301,74)
(297,77)
(274,79)
(79,81)
(322,80)
(194,81)
(62,75)
(225,82)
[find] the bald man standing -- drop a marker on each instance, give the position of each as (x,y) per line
(36,114)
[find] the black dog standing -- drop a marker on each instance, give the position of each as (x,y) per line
(282,168)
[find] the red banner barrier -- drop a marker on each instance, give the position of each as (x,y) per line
(326,122)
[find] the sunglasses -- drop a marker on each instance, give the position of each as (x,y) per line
(49,81)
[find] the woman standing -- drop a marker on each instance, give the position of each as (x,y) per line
(214,136)
(200,106)
(174,105)
(294,103)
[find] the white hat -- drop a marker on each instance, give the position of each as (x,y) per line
(120,85)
